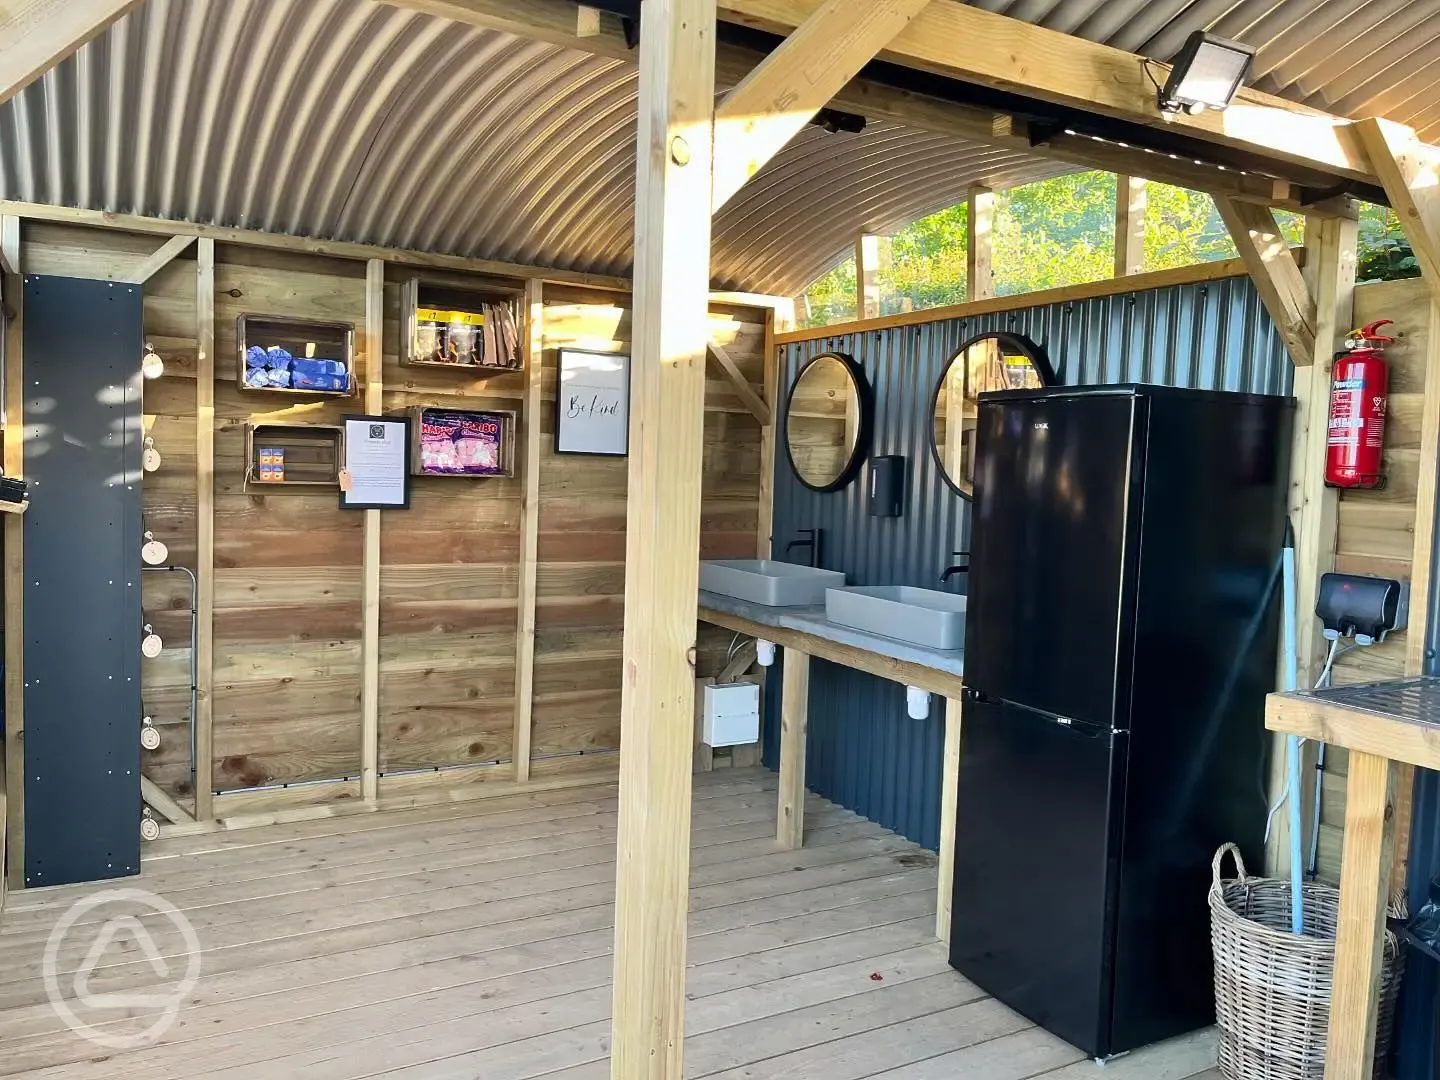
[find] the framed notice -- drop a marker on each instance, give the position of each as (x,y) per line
(376,473)
(592,404)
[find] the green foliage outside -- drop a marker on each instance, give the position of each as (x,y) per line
(1061,232)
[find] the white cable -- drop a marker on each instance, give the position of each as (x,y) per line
(1322,681)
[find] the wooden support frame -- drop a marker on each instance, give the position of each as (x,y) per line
(14,818)
(1410,174)
(753,401)
(825,51)
(765,524)
(794,721)
(662,539)
(1007,54)
(35,35)
(205,529)
(980,244)
(160,801)
(949,800)
(167,253)
(1130,203)
(529,530)
(1272,266)
(370,564)
(867,276)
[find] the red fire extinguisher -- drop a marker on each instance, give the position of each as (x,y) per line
(1359,391)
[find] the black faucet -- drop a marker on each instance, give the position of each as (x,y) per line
(958,568)
(812,540)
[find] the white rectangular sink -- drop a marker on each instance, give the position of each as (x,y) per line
(925,617)
(765,581)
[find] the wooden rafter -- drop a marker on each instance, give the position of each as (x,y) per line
(554,21)
(1129,225)
(980,244)
(821,53)
(967,43)
(867,276)
(1410,173)
(753,401)
(35,35)
(1276,273)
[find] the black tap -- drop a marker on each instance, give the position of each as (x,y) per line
(812,540)
(958,568)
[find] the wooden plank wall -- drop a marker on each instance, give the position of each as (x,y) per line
(1377,528)
(288,565)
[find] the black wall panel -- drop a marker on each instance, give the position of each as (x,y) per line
(82,346)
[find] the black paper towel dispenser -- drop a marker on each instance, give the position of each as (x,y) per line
(887,485)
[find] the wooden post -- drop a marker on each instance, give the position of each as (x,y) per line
(1276,274)
(867,276)
(771,361)
(204,528)
(662,543)
(794,718)
(949,797)
(529,529)
(979,243)
(1329,278)
(1359,936)
(370,566)
(1129,225)
(14,838)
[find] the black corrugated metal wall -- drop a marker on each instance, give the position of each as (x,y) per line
(863,750)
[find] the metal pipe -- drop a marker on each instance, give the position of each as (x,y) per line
(194,665)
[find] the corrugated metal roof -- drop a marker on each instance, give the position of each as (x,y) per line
(1354,58)
(353,120)
(346,119)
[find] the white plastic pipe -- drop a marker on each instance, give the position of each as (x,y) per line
(764,653)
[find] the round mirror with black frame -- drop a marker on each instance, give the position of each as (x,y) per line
(827,422)
(995,360)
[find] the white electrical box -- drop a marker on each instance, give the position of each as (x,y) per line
(731,715)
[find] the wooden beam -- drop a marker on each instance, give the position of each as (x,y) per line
(1360,932)
(662,538)
(1129,225)
(35,35)
(204,528)
(529,528)
(14,386)
(977,46)
(167,253)
(765,521)
(794,719)
(949,799)
(1410,173)
(1329,276)
(867,276)
(753,401)
(162,803)
(370,560)
(980,244)
(554,21)
(335,249)
(821,53)
(1272,266)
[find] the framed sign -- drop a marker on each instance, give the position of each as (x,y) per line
(376,472)
(592,404)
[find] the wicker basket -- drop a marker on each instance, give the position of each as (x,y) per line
(1272,988)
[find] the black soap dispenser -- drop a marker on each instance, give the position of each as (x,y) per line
(887,485)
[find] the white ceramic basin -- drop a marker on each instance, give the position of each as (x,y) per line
(925,617)
(765,581)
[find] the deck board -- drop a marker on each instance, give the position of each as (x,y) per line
(473,940)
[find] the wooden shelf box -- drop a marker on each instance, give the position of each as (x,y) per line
(471,328)
(320,353)
(462,442)
(310,455)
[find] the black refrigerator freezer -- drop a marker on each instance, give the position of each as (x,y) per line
(1121,637)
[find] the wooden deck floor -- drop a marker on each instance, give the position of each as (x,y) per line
(472,940)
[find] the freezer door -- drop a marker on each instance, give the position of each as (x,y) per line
(1033,913)
(1049,613)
